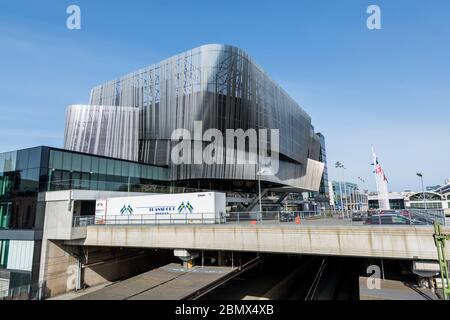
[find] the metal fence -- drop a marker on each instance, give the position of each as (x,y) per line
(196,218)
(428,216)
(27,292)
(412,217)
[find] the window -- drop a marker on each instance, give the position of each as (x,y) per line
(56,160)
(67,161)
(117,167)
(86,164)
(5,214)
(2,162)
(125,169)
(94,165)
(22,159)
(4,248)
(102,169)
(10,161)
(76,162)
(110,167)
(34,158)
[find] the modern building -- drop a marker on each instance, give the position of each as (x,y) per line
(438,199)
(122,142)
(25,173)
(396,200)
(347,195)
(321,199)
(134,118)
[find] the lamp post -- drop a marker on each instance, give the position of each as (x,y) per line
(361,196)
(259,173)
(339,165)
(420,175)
(345,190)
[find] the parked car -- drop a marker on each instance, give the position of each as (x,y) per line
(388,212)
(287,217)
(405,213)
(357,216)
(391,219)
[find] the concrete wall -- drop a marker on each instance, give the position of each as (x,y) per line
(357,241)
(58,268)
(100,265)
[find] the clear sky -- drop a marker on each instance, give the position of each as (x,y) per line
(389,88)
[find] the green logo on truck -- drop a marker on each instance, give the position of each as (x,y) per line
(184,208)
(126,210)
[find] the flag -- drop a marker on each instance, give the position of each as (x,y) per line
(381,181)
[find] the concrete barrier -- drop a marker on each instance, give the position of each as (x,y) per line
(357,241)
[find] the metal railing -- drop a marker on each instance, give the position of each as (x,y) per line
(415,217)
(429,216)
(34,291)
(196,218)
(412,216)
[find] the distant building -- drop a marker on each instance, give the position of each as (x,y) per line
(353,198)
(438,199)
(396,200)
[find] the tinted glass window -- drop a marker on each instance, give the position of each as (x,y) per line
(34,158)
(102,169)
(67,161)
(22,159)
(117,168)
(76,162)
(57,161)
(125,170)
(86,164)
(110,167)
(94,165)
(2,162)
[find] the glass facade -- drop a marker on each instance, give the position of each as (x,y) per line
(68,170)
(324,189)
(25,173)
(394,204)
(20,174)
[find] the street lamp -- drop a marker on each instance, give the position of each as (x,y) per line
(340,165)
(361,196)
(259,174)
(420,175)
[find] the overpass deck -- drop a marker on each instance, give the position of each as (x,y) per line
(397,242)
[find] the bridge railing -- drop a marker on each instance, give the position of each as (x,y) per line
(428,216)
(196,218)
(35,291)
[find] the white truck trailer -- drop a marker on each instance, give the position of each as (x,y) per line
(183,208)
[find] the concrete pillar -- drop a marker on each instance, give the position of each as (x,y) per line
(221,258)
(187,257)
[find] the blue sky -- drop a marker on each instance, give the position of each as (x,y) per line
(389,88)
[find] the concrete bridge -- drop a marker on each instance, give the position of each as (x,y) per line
(397,242)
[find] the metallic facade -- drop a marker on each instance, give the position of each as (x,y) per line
(109,131)
(224,88)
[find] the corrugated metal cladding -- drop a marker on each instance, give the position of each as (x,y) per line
(103,130)
(224,88)
(20,255)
